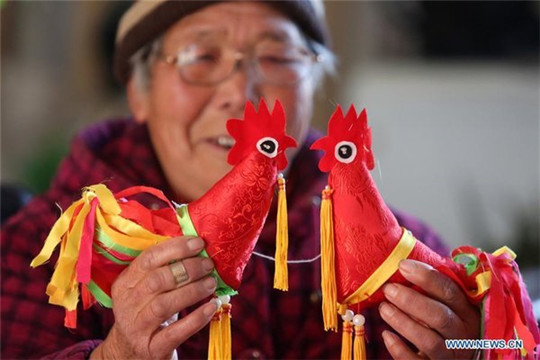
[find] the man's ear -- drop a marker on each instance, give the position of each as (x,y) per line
(137,101)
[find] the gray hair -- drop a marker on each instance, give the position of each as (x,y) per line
(142,61)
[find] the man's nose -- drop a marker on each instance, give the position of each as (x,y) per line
(241,86)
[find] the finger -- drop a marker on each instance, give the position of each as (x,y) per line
(152,258)
(437,285)
(162,279)
(425,339)
(431,312)
(170,337)
(165,305)
(174,249)
(396,347)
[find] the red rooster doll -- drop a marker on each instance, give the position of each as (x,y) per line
(103,232)
(362,245)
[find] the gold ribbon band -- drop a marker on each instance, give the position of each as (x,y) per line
(385,270)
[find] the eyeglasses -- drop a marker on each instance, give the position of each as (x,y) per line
(274,62)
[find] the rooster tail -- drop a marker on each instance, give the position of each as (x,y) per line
(495,281)
(281,275)
(328,272)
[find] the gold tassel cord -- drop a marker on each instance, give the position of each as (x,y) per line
(359,348)
(346,341)
(328,272)
(226,332)
(215,341)
(281,275)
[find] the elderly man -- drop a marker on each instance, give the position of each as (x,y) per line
(188,67)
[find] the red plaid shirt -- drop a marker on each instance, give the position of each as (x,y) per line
(266,323)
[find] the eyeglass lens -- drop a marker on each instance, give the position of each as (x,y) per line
(274,61)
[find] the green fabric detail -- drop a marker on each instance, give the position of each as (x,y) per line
(109,256)
(470,262)
(188,229)
(99,294)
(110,244)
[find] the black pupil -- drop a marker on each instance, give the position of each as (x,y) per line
(345,151)
(268,146)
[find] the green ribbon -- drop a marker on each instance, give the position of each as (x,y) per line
(99,294)
(110,257)
(108,243)
(470,262)
(188,229)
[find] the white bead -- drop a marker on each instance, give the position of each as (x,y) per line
(348,316)
(217,301)
(225,299)
(359,320)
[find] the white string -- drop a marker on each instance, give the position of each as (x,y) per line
(288,261)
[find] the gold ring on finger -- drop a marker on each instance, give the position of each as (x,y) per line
(179,272)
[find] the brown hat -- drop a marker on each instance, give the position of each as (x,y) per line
(146,20)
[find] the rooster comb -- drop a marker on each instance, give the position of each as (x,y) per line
(260,130)
(348,139)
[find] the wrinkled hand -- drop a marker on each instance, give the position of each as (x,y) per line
(427,320)
(146,294)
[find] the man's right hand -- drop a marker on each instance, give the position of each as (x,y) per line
(147,293)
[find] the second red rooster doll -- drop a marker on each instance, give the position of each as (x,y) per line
(362,245)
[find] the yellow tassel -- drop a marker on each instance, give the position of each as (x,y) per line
(359,343)
(346,341)
(226,331)
(328,272)
(281,276)
(215,341)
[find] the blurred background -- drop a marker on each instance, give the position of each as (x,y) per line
(451,88)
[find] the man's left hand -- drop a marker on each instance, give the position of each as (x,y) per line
(427,320)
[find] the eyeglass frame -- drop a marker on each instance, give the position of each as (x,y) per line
(239,57)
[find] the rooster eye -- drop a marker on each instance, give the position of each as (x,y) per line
(268,147)
(345,152)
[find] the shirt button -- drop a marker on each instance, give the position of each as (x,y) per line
(315,297)
(251,354)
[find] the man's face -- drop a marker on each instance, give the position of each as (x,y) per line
(187,121)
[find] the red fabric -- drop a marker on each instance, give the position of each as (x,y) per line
(277,324)
(230,216)
(85,253)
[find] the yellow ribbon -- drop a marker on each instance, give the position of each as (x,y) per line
(130,234)
(483,283)
(385,270)
(505,249)
(63,288)
(55,235)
